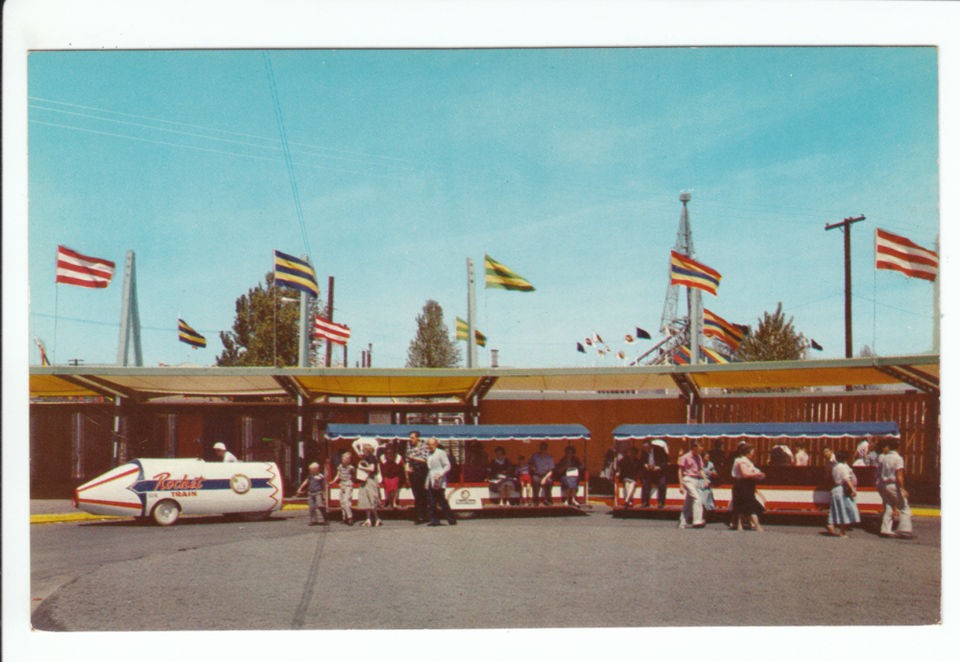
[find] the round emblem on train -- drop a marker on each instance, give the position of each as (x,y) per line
(240,483)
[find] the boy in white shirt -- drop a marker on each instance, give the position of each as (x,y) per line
(893,492)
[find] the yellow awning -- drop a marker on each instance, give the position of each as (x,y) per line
(920,372)
(51,386)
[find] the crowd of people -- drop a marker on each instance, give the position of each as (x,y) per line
(697,474)
(425,467)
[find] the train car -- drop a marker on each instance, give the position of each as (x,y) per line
(787,488)
(165,488)
(467,486)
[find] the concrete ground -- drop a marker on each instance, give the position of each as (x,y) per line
(556,572)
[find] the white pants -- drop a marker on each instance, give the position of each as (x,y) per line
(692,512)
(894,499)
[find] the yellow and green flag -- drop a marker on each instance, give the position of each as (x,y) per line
(463,334)
(501,277)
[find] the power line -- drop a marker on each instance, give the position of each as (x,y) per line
(306,146)
(214,151)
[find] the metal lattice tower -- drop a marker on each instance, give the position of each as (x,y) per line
(670,324)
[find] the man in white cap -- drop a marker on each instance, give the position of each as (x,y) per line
(221,450)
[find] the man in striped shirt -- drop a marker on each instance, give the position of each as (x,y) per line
(416,473)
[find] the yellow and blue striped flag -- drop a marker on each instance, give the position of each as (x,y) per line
(293,272)
(684,270)
(500,277)
(717,327)
(462,333)
(189,336)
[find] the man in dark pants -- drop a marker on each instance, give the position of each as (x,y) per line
(654,458)
(416,473)
(438,466)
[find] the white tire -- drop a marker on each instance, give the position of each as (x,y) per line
(166,512)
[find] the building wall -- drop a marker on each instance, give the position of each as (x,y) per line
(71,443)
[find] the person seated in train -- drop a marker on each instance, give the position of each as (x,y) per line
(628,472)
(781,456)
(866,454)
(500,477)
(541,475)
(800,457)
(654,456)
(569,472)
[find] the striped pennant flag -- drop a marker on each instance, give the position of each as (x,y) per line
(336,333)
(900,254)
(188,335)
(76,269)
(500,277)
(293,272)
(463,333)
(717,327)
(687,271)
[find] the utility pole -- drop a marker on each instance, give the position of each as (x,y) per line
(848,316)
(329,344)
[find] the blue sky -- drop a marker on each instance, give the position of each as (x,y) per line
(563,164)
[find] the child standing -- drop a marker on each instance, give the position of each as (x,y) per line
(843,506)
(523,480)
(345,474)
(314,482)
(706,483)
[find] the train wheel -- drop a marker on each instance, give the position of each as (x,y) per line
(166,512)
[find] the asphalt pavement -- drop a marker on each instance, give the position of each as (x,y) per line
(550,572)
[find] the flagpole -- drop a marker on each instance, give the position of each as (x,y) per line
(471,314)
(303,350)
(693,297)
(936,304)
(56,317)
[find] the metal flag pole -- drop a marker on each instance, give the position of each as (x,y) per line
(936,304)
(304,348)
(471,314)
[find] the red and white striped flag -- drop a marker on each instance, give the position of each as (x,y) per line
(324,328)
(76,269)
(901,254)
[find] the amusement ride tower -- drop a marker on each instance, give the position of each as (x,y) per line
(678,331)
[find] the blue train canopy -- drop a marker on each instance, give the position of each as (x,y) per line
(484,433)
(842,430)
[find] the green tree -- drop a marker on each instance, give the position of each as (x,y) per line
(259,311)
(432,346)
(775,339)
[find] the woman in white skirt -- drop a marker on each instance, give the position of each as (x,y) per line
(368,497)
(843,505)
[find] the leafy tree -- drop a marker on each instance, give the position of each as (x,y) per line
(251,341)
(775,339)
(432,346)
